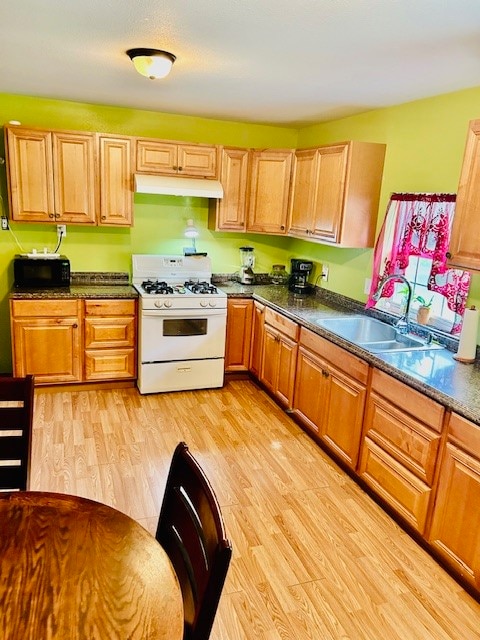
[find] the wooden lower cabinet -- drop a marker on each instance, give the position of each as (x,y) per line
(239,332)
(256,348)
(279,356)
(402,436)
(455,527)
(330,392)
(110,339)
(73,340)
(47,338)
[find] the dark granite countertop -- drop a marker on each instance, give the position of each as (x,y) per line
(84,285)
(433,372)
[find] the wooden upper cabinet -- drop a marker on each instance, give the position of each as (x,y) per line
(172,158)
(336,193)
(230,212)
(51,175)
(269,191)
(29,166)
(116,192)
(74,177)
(464,250)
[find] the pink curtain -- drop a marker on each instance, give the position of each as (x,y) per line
(419,225)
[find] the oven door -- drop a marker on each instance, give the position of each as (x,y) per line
(169,335)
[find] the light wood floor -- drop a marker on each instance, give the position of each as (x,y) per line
(314,556)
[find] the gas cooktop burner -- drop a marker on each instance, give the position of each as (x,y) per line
(156,287)
(201,287)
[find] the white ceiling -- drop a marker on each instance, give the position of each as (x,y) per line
(285,62)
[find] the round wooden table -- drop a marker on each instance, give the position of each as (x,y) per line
(75,568)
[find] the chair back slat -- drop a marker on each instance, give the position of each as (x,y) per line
(192,532)
(16,417)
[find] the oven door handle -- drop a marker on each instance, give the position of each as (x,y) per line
(183,313)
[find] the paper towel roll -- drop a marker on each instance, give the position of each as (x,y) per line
(467,346)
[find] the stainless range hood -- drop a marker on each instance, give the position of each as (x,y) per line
(178,186)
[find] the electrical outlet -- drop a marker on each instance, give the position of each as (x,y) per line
(4,223)
(325,273)
(61,230)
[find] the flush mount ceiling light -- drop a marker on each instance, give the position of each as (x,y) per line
(152,63)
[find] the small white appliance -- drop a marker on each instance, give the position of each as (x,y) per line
(182,323)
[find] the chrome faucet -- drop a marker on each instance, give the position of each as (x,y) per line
(402,323)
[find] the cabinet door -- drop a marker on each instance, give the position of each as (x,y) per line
(111,364)
(230,212)
(464,250)
(239,331)
(256,351)
(287,359)
(154,156)
(74,177)
(48,348)
(310,389)
(330,193)
(270,191)
(197,160)
(456,518)
(269,366)
(30,173)
(116,193)
(341,428)
(302,206)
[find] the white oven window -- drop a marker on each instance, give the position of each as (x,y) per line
(184,327)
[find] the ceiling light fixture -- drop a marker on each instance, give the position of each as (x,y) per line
(152,63)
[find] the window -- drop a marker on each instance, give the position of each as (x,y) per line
(413,243)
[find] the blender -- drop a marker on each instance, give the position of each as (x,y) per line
(246,275)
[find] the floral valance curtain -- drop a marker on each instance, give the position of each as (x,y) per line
(419,225)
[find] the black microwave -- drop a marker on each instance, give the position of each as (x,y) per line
(38,271)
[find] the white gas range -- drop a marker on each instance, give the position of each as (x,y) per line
(182,323)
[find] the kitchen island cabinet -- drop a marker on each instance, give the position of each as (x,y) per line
(402,436)
(51,175)
(330,392)
(454,532)
(464,248)
(279,355)
(47,339)
(336,190)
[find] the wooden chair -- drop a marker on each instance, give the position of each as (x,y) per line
(191,531)
(16,415)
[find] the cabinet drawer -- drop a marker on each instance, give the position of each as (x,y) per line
(108,364)
(424,409)
(408,495)
(45,308)
(347,362)
(464,434)
(406,439)
(281,323)
(109,332)
(110,307)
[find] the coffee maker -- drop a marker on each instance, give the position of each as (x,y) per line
(246,275)
(299,274)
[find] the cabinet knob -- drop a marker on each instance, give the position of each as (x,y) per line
(75,326)
(180,168)
(50,215)
(282,227)
(448,254)
(325,373)
(104,217)
(175,168)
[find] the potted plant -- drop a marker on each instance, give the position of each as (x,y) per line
(423,311)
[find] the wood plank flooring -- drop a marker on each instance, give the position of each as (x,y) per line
(314,556)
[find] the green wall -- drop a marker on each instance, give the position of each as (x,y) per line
(425,141)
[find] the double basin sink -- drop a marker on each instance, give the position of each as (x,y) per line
(373,335)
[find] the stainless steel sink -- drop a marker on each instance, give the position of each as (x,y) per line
(373,335)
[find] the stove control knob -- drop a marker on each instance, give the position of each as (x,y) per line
(212,303)
(168,304)
(203,303)
(158,304)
